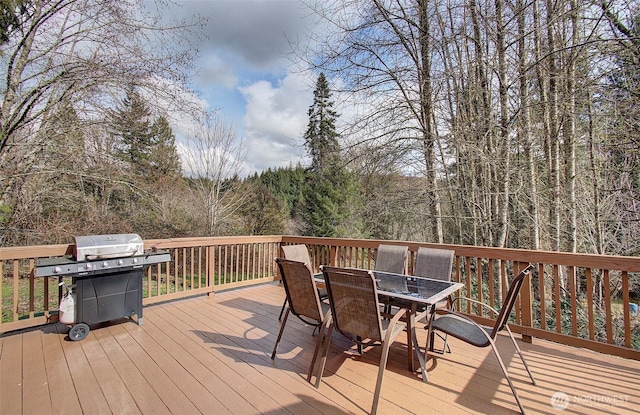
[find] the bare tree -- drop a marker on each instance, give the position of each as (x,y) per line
(83,52)
(214,156)
(380,51)
(493,96)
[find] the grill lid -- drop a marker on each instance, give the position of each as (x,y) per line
(93,247)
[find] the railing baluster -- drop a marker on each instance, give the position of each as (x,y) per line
(558,299)
(590,316)
(542,288)
(221,262)
(625,309)
(574,300)
(607,307)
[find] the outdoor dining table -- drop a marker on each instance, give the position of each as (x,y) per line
(419,294)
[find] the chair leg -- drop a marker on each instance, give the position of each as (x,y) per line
(445,348)
(284,322)
(431,341)
(284,304)
(383,363)
(321,338)
(323,358)
(390,336)
(506,375)
(524,362)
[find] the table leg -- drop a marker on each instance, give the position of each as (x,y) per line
(423,365)
(412,343)
(411,324)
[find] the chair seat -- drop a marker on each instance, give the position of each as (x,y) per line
(460,328)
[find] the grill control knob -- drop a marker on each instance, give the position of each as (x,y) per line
(57,270)
(88,266)
(134,260)
(120,262)
(105,264)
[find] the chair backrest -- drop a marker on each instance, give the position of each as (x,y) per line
(391,258)
(510,300)
(434,263)
(354,302)
(297,253)
(300,288)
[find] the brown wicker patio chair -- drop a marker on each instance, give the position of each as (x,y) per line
(391,258)
(464,328)
(299,253)
(434,263)
(355,313)
(296,253)
(302,296)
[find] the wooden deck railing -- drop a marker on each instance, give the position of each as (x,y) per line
(576,299)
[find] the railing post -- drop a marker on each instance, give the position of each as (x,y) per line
(526,306)
(210,269)
(333,258)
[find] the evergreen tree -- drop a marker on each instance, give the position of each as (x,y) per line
(331,197)
(163,157)
(10,11)
(130,125)
(321,138)
(263,213)
(287,184)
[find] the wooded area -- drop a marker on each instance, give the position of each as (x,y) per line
(517,121)
(491,123)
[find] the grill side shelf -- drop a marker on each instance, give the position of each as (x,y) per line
(67,266)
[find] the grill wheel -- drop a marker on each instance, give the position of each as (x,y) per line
(79,331)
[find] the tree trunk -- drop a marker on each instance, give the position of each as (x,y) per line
(426,114)
(569,132)
(524,131)
(505,145)
(553,138)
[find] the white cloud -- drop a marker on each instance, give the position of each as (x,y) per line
(214,70)
(275,120)
(243,70)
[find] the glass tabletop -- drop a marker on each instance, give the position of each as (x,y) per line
(412,288)
(419,289)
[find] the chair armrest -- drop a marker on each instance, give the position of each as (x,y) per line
(468,320)
(471,300)
(395,320)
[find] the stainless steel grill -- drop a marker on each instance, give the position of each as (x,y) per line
(99,254)
(106,273)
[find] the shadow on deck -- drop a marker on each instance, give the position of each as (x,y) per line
(211,355)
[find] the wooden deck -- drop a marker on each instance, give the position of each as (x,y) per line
(211,355)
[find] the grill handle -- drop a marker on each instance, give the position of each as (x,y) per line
(112,255)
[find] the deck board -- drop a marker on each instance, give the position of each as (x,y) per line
(211,355)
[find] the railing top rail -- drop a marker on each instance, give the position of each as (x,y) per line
(623,263)
(614,262)
(39,251)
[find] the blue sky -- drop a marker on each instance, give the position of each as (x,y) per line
(245,72)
